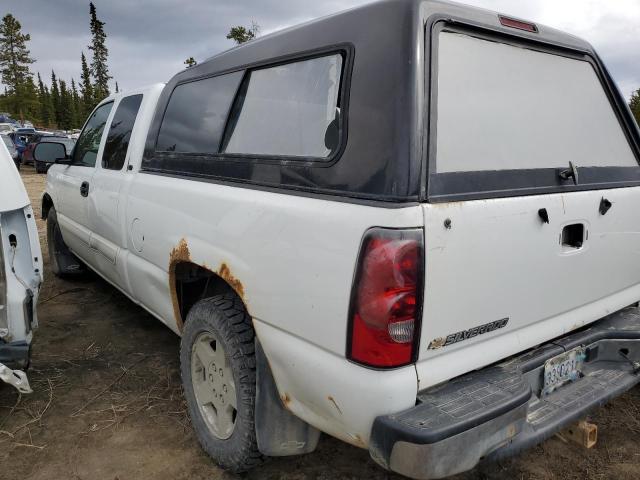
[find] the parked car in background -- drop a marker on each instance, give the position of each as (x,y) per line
(20,275)
(21,138)
(412,226)
(25,131)
(42,167)
(6,128)
(27,152)
(13,152)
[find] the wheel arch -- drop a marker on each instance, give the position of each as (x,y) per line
(190,282)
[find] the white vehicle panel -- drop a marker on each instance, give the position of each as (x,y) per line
(20,271)
(108,189)
(340,398)
(258,235)
(12,193)
(500,260)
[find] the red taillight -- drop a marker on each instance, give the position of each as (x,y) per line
(386,298)
(519,24)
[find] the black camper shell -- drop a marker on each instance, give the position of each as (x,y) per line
(385,125)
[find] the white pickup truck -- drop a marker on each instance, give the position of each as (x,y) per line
(412,225)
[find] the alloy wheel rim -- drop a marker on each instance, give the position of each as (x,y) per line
(213,385)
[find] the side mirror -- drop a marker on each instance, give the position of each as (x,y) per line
(50,152)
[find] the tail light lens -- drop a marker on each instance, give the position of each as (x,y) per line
(386,298)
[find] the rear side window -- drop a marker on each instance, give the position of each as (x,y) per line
(288,110)
(115,149)
(196,114)
(88,143)
(504,107)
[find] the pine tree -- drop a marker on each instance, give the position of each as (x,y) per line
(634,104)
(99,68)
(117,88)
(240,34)
(14,64)
(86,89)
(45,103)
(47,107)
(78,118)
(29,101)
(66,107)
(4,101)
(191,62)
(56,104)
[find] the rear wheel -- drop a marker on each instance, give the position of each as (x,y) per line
(63,263)
(217,361)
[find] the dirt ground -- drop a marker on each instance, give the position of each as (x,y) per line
(107,404)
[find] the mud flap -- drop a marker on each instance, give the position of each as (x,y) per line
(279,432)
(16,378)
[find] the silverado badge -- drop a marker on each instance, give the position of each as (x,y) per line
(467,334)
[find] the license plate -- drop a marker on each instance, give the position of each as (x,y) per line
(562,369)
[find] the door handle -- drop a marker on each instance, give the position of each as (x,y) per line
(84,189)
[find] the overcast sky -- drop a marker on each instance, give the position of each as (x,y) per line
(149,39)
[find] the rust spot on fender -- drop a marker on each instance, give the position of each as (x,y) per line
(286,400)
(180,253)
(335,404)
(437,343)
(228,277)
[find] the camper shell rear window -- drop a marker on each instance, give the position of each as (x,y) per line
(508,117)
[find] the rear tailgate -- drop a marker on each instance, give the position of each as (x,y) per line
(500,261)
(532,229)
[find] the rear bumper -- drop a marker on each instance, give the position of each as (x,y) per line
(15,355)
(498,411)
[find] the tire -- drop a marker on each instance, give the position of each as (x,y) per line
(63,263)
(221,322)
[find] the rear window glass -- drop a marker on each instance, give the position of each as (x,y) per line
(196,114)
(115,149)
(502,107)
(288,110)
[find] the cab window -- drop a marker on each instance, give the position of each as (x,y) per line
(87,146)
(115,149)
